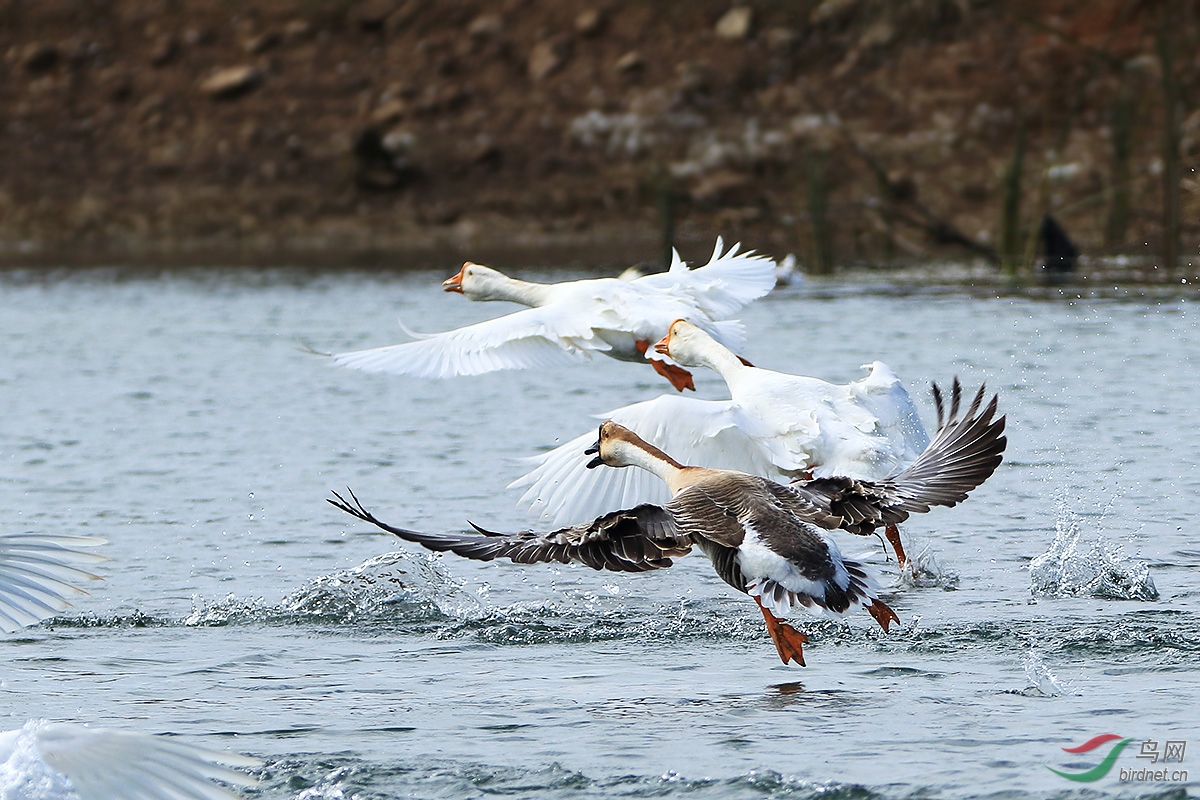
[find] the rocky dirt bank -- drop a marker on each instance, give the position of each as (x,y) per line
(848,131)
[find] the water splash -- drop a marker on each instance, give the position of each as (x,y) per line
(337,778)
(922,571)
(566,622)
(1042,680)
(90,619)
(1069,569)
(396,584)
(386,580)
(24,775)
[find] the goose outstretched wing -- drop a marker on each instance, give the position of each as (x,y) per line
(727,282)
(962,455)
(715,433)
(533,337)
(635,540)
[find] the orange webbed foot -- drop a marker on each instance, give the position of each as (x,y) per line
(789,642)
(679,377)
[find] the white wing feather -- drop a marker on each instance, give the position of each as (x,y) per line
(707,433)
(883,394)
(864,429)
(107,764)
(534,337)
(726,283)
(38,573)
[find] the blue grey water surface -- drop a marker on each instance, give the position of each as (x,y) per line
(184,417)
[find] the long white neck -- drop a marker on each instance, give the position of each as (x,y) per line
(708,352)
(655,461)
(514,290)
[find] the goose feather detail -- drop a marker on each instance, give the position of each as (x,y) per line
(39,572)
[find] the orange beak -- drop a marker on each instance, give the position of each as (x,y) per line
(663,345)
(454,284)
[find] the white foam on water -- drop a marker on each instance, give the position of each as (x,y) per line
(923,570)
(398,576)
(25,776)
(1042,680)
(370,589)
(1073,568)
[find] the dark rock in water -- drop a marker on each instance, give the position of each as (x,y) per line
(1060,252)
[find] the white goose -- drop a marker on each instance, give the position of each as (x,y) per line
(775,425)
(575,319)
(38,572)
(49,759)
(764,538)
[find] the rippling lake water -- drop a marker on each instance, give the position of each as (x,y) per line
(184,418)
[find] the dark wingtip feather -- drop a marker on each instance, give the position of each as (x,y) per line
(356,510)
(955,398)
(485,531)
(963,454)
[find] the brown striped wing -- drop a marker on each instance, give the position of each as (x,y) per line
(635,540)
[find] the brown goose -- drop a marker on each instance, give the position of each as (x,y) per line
(766,539)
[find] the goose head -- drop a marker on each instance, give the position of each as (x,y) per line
(686,344)
(617,446)
(613,446)
(477,282)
